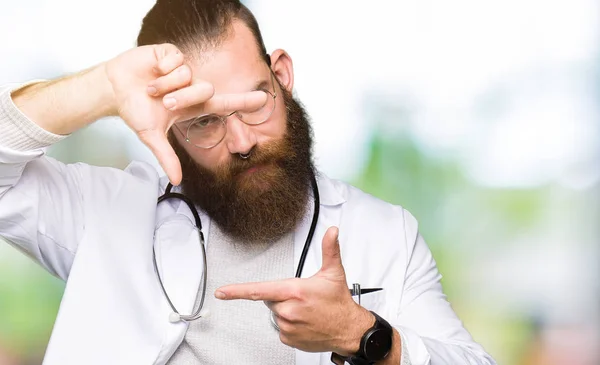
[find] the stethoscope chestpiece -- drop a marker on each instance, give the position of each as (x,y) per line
(174,317)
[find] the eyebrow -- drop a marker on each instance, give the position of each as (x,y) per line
(261,85)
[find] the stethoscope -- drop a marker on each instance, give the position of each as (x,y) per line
(175,316)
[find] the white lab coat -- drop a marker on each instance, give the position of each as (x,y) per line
(93,227)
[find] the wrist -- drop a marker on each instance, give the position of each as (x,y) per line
(362,322)
(108,100)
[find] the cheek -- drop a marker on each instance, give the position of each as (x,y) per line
(206,158)
(274,128)
(211,158)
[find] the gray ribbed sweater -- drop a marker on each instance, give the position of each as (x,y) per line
(239,331)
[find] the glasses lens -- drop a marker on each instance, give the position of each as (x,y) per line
(261,114)
(206,131)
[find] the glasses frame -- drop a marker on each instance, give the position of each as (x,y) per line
(223,118)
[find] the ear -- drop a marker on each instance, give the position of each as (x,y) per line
(281,64)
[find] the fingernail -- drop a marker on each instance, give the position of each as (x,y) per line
(151,90)
(170,103)
(219,295)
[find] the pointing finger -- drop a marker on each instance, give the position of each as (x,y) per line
(227,103)
(273,291)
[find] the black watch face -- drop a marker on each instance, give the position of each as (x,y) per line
(378,344)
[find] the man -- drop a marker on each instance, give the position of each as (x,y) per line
(217,111)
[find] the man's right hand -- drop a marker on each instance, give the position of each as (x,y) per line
(154,88)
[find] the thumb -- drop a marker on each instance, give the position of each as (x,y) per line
(162,149)
(332,258)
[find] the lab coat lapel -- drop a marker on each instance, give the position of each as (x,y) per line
(329,215)
(179,261)
(179,255)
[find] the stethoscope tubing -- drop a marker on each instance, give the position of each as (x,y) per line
(176,316)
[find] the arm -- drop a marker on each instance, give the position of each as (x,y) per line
(430,329)
(68,104)
(37,195)
(41,203)
(116,87)
(134,86)
(41,199)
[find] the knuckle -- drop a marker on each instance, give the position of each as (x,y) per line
(297,292)
(206,89)
(168,49)
(162,67)
(160,84)
(158,51)
(164,48)
(284,327)
(245,103)
(254,295)
(226,105)
(183,99)
(285,339)
(184,72)
(168,58)
(288,314)
(147,136)
(181,76)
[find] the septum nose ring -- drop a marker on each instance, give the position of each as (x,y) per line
(244,156)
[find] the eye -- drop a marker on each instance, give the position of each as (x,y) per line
(204,121)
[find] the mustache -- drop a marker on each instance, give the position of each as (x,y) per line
(271,153)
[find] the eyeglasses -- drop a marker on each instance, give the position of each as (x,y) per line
(207,131)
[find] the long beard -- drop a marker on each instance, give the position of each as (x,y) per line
(264,204)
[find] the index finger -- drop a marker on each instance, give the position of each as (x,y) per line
(272,291)
(227,103)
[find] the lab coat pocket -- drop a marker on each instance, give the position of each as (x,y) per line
(372,301)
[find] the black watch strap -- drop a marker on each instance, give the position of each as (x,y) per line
(375,344)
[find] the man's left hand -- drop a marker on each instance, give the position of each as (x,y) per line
(315,314)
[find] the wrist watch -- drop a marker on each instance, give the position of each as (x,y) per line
(375,344)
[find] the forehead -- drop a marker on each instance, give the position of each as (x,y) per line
(236,65)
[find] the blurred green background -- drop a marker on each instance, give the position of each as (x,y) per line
(481,118)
